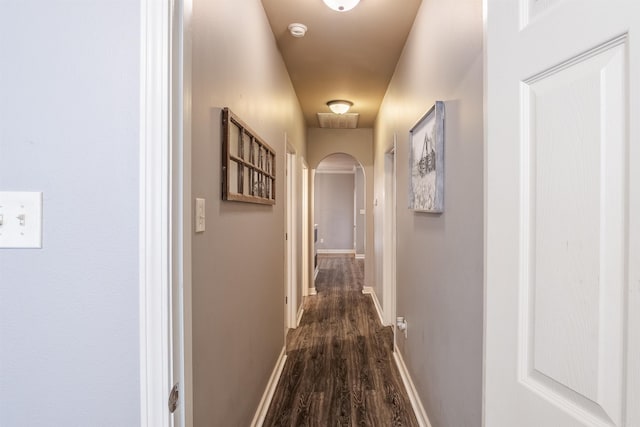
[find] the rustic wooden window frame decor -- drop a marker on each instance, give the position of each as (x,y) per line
(248,163)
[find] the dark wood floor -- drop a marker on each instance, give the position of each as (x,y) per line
(339,369)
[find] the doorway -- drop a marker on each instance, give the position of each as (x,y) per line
(291,241)
(389,238)
(339,207)
(305,229)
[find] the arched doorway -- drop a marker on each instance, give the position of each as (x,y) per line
(339,209)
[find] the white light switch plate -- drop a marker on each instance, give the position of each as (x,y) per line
(20,219)
(200,216)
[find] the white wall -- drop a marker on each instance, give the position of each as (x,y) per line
(238,262)
(69,91)
(440,257)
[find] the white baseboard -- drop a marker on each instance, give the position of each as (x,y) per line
(263,407)
(368,290)
(299,316)
(359,256)
(336,251)
(313,291)
(418,409)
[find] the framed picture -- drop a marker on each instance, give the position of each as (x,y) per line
(426,162)
(248,163)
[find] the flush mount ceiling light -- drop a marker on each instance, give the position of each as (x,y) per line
(341,5)
(297,30)
(339,106)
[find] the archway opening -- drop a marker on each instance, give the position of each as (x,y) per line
(339,207)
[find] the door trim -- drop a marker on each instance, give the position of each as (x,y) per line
(389,238)
(154,214)
(292,236)
(165,211)
(305,229)
(181,204)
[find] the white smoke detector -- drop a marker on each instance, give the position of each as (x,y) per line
(297,30)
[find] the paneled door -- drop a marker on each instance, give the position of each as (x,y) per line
(562,225)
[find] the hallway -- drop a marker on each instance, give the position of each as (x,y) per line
(340,368)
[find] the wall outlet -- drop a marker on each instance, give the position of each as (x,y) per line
(402,325)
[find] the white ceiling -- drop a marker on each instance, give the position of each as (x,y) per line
(344,55)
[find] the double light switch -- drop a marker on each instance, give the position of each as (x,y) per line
(20,219)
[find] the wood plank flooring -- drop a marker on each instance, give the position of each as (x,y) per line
(340,369)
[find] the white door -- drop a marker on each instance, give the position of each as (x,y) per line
(562,270)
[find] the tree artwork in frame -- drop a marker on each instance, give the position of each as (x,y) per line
(426,162)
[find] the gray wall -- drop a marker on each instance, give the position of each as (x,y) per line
(360,218)
(69,114)
(334,210)
(440,257)
(238,262)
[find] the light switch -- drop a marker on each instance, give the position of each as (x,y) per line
(20,219)
(200,216)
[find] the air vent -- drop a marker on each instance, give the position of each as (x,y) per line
(338,121)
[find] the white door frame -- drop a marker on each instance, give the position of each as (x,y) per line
(181,202)
(305,229)
(312,230)
(164,239)
(389,238)
(355,210)
(291,240)
(155,233)
(357,213)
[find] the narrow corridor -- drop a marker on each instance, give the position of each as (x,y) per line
(340,369)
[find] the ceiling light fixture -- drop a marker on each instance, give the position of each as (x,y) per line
(339,106)
(341,5)
(297,30)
